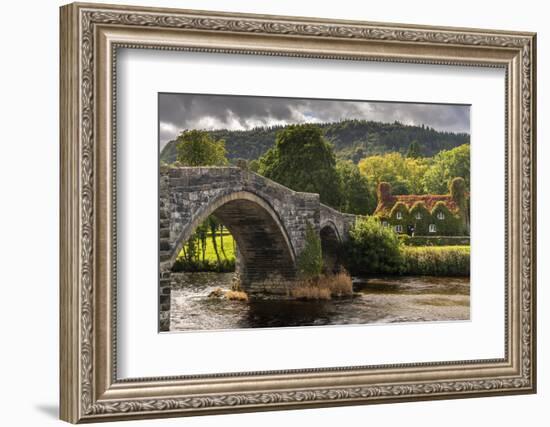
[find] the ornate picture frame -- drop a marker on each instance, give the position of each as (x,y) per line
(90,37)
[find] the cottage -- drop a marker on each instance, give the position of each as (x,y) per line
(427,214)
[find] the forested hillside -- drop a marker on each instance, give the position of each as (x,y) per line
(352,140)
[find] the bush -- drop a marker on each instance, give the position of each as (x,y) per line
(434,240)
(437,261)
(324,287)
(373,249)
(310,260)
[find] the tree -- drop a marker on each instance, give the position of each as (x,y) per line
(198,148)
(357,197)
(414,150)
(448,164)
(303,160)
(404,174)
(310,260)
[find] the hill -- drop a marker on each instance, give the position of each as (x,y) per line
(352,140)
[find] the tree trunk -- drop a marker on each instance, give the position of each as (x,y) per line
(213,227)
(221,241)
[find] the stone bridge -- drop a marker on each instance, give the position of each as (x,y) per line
(267,220)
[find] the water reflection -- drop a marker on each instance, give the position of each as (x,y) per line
(376,300)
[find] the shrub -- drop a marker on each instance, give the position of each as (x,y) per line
(372,248)
(310,260)
(324,287)
(437,261)
(435,240)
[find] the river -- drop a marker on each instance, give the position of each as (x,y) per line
(376,300)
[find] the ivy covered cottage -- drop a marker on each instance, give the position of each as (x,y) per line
(428,214)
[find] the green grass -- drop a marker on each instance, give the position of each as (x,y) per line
(210,254)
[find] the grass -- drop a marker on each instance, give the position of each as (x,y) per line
(437,260)
(236,296)
(324,287)
(230,295)
(210,253)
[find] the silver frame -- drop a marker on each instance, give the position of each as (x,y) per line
(90,36)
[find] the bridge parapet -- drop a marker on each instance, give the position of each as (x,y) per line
(190,194)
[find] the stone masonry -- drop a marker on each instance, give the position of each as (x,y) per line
(267,220)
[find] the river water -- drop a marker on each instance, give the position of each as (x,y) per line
(376,300)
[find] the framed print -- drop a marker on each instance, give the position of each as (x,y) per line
(267,212)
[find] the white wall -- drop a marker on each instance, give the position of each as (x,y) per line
(29,172)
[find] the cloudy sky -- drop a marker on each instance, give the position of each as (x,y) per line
(209,112)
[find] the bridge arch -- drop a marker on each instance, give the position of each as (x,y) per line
(331,242)
(264,247)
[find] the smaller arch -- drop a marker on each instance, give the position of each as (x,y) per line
(330,224)
(331,242)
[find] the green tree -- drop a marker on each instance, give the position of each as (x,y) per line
(198,148)
(448,164)
(405,174)
(303,160)
(414,150)
(373,249)
(310,260)
(357,197)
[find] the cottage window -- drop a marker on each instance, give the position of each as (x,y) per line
(440,215)
(399,215)
(432,228)
(418,215)
(399,228)
(384,223)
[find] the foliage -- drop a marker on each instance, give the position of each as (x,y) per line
(310,260)
(352,139)
(437,260)
(447,165)
(210,248)
(404,174)
(421,218)
(198,148)
(434,240)
(400,209)
(304,161)
(414,150)
(451,225)
(372,248)
(357,197)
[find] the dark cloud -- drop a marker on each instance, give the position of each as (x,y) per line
(189,111)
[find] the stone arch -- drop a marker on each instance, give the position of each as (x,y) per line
(265,250)
(331,242)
